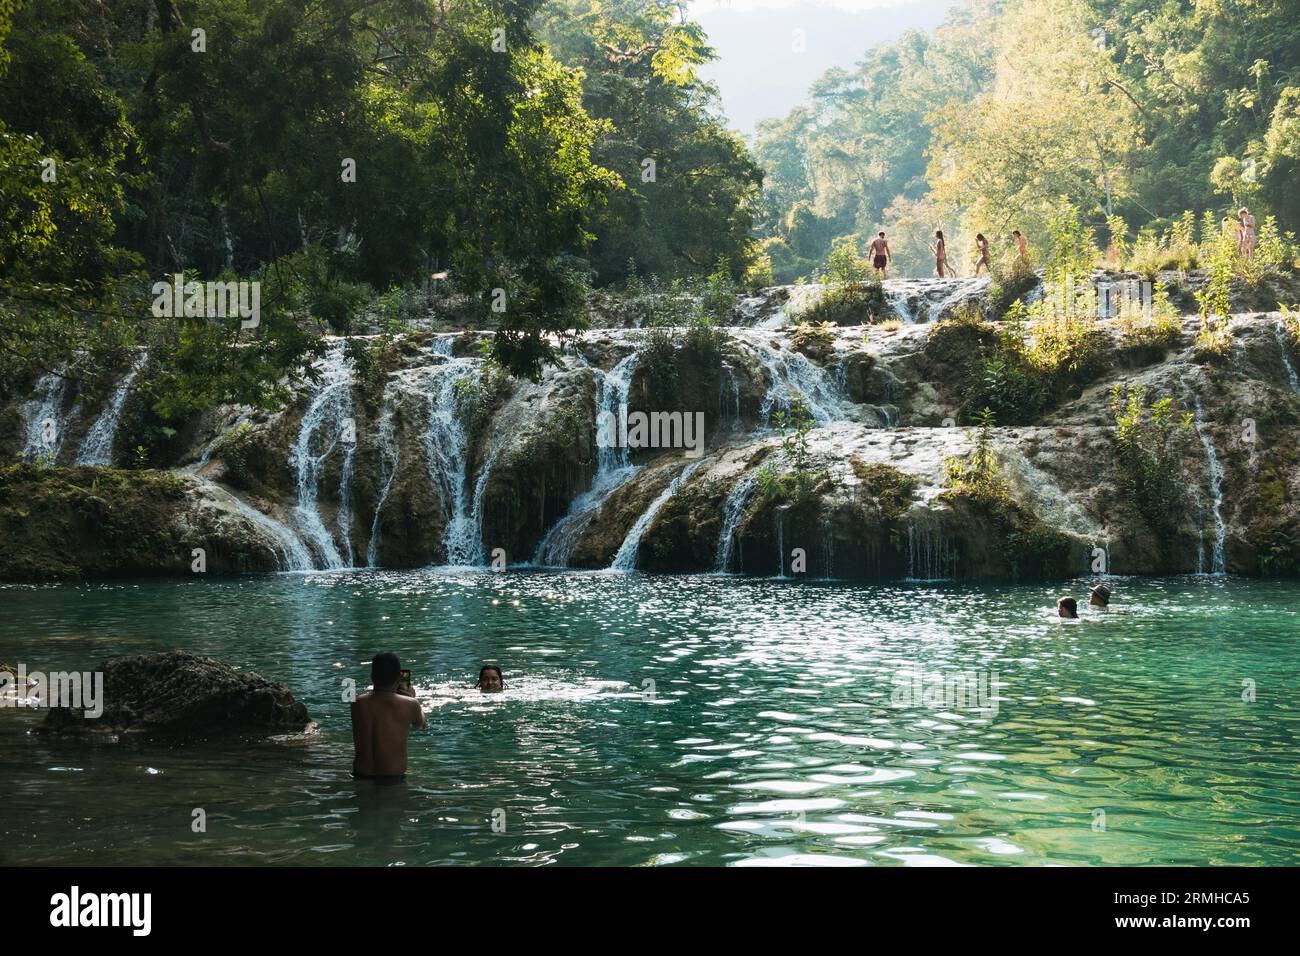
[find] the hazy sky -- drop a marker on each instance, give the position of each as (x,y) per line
(759,71)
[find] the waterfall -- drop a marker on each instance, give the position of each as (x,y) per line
(625,560)
(42,413)
(1219,565)
(446,444)
(389,459)
(926,300)
(292,553)
(244,414)
(735,395)
(792,373)
(480,492)
(328,413)
(928,555)
(780,543)
(614,388)
(732,512)
(1281,333)
(97,446)
(613,470)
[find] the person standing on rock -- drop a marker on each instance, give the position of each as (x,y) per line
(1022,245)
(880,254)
(381,719)
(982,248)
(1246,233)
(940,253)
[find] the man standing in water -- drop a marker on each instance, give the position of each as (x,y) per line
(880,254)
(381,719)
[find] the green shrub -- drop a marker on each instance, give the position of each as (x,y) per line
(1149,472)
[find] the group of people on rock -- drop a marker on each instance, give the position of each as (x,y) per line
(383,715)
(881,256)
(1243,231)
(1099,597)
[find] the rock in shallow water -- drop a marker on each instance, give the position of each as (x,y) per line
(178,694)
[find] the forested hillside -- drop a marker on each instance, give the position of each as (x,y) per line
(338,151)
(1128,108)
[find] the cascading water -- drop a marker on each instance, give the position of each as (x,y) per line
(737,501)
(1219,562)
(290,549)
(329,414)
(1291,377)
(927,300)
(613,470)
(44,419)
(790,373)
(446,447)
(780,544)
(625,559)
(389,459)
(928,556)
(97,446)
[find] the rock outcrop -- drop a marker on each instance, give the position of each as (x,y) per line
(433,457)
(178,695)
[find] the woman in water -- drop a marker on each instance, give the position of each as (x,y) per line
(490,679)
(940,249)
(982,247)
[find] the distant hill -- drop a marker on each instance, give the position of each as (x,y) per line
(758,72)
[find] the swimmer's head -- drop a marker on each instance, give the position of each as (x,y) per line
(490,679)
(1100,596)
(385,668)
(1067,607)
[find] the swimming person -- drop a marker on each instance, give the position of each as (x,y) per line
(940,252)
(381,719)
(982,246)
(1100,597)
(880,254)
(1022,245)
(1067,607)
(490,679)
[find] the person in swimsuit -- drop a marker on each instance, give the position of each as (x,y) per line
(381,719)
(880,254)
(490,679)
(982,247)
(1246,234)
(1022,245)
(940,253)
